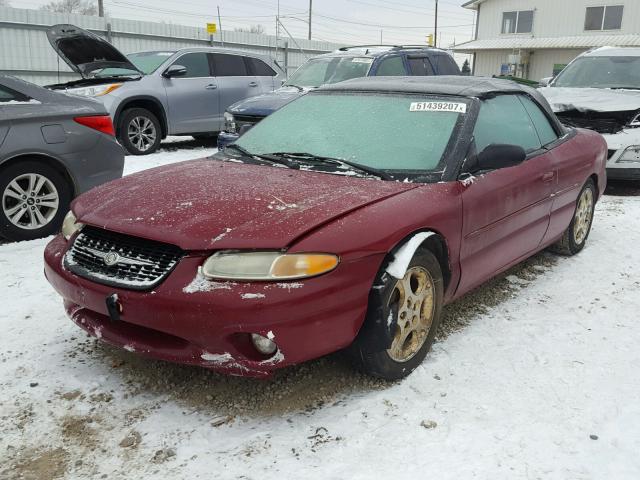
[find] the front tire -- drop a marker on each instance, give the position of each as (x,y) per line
(140,131)
(34,198)
(575,236)
(402,319)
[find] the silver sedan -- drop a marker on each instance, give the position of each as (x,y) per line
(53,146)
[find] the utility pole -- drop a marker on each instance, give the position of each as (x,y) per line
(310,10)
(220,24)
(435,36)
(101,8)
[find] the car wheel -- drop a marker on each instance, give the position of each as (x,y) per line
(35,198)
(402,319)
(575,237)
(140,132)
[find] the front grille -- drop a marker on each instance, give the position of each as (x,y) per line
(120,260)
(242,120)
(601,122)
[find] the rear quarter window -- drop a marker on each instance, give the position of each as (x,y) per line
(444,65)
(8,95)
(260,68)
(391,66)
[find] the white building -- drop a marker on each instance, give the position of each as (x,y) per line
(534,39)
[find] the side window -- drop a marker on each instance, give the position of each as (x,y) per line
(503,119)
(391,67)
(420,66)
(225,65)
(444,65)
(8,95)
(260,68)
(540,121)
(196,63)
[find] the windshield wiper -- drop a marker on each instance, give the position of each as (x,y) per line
(300,89)
(267,157)
(353,166)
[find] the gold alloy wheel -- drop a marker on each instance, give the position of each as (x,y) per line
(413,298)
(582,219)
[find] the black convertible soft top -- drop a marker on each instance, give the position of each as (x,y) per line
(458,85)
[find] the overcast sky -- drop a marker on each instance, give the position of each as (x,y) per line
(342,21)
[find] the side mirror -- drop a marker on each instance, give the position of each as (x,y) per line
(497,156)
(544,82)
(175,71)
(244,129)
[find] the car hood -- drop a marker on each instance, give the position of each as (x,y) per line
(591,99)
(266,104)
(207,204)
(85,52)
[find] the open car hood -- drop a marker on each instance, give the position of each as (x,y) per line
(209,205)
(86,52)
(563,99)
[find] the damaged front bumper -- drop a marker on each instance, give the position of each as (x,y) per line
(624,155)
(188,319)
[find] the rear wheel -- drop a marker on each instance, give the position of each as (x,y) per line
(402,319)
(35,198)
(575,237)
(140,132)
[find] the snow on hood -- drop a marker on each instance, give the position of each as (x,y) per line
(563,99)
(208,204)
(267,103)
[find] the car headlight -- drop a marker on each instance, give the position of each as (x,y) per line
(265,266)
(94,91)
(230,123)
(630,155)
(70,225)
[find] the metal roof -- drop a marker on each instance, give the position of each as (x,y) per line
(520,42)
(473,4)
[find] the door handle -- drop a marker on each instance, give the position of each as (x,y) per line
(211,86)
(253,84)
(548,177)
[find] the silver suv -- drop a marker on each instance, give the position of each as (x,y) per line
(150,95)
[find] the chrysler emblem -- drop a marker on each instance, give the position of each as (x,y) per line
(111,259)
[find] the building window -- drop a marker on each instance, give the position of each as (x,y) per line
(517,22)
(604,18)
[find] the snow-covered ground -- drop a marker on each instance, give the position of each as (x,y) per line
(535,377)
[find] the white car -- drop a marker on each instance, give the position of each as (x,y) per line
(600,90)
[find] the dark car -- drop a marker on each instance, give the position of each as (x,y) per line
(286,247)
(53,147)
(344,64)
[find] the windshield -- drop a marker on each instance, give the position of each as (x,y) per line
(146,62)
(601,72)
(321,71)
(399,133)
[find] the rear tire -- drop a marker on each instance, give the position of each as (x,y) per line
(139,131)
(402,319)
(34,198)
(575,236)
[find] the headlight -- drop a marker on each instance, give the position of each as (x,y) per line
(265,266)
(229,123)
(94,91)
(630,155)
(70,226)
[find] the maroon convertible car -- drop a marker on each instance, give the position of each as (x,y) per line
(345,220)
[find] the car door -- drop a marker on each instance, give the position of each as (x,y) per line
(264,74)
(193,98)
(235,82)
(505,212)
(420,65)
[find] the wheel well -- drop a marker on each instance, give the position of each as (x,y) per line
(148,104)
(47,160)
(594,177)
(437,245)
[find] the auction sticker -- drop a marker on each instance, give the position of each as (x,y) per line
(456,107)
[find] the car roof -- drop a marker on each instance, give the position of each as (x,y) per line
(613,52)
(211,50)
(437,84)
(374,51)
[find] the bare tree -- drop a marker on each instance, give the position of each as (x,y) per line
(252,29)
(82,7)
